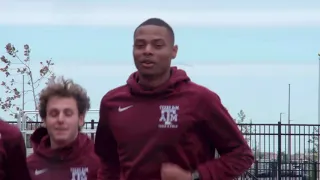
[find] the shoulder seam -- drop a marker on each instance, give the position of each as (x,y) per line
(115,90)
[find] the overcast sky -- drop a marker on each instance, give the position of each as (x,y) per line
(246,51)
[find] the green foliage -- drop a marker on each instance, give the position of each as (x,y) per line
(246,126)
(248,130)
(314,142)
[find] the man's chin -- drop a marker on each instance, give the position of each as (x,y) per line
(61,139)
(147,72)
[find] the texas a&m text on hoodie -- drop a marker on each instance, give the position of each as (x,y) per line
(179,122)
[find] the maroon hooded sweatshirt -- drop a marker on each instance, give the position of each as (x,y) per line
(179,122)
(76,161)
(13,164)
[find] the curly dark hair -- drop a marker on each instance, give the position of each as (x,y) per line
(64,88)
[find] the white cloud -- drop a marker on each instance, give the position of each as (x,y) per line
(103,14)
(202,70)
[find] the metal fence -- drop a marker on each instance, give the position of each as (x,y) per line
(281,151)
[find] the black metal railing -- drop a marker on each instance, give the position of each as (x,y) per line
(92,124)
(282,151)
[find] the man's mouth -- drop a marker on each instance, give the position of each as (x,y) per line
(61,130)
(147,64)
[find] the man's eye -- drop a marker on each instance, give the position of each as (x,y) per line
(158,46)
(53,113)
(68,113)
(139,45)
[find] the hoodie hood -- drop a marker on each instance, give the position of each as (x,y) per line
(41,146)
(177,78)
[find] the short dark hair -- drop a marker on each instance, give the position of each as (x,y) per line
(158,22)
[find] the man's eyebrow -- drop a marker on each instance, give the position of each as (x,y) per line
(156,39)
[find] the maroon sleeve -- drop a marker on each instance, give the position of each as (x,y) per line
(16,157)
(235,155)
(106,148)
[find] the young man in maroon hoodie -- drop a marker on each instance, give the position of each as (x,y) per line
(61,151)
(13,165)
(163,126)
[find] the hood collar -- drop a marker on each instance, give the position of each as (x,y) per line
(41,145)
(177,77)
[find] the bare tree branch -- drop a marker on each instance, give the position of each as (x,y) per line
(17,66)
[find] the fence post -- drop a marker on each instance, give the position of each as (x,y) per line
(19,120)
(315,170)
(256,168)
(92,127)
(279,151)
(24,127)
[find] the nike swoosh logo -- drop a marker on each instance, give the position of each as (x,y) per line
(38,172)
(123,109)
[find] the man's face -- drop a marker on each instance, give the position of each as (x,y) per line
(153,50)
(63,119)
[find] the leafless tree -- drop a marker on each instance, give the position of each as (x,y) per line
(14,66)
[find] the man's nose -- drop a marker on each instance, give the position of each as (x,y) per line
(61,117)
(148,50)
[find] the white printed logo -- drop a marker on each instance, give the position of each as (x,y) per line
(123,109)
(169,116)
(41,171)
(79,173)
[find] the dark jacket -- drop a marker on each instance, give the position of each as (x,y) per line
(13,164)
(75,161)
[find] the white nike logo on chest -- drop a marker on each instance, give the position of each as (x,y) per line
(124,108)
(38,172)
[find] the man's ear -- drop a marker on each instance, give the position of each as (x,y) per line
(174,51)
(44,124)
(81,120)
